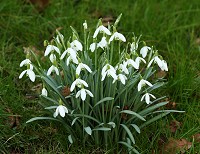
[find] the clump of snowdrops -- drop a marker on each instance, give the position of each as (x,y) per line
(110,84)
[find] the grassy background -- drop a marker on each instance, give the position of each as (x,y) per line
(172,26)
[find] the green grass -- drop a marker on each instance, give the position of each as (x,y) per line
(172,26)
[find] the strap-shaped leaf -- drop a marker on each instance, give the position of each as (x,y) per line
(104,100)
(102,129)
(74,120)
(51,107)
(136,128)
(70,139)
(112,124)
(42,118)
(129,146)
(129,133)
(133,113)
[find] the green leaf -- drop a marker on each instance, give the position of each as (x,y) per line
(152,108)
(129,133)
(117,20)
(42,118)
(154,119)
(51,107)
(74,120)
(86,116)
(70,139)
(136,128)
(50,99)
(133,113)
(102,129)
(129,146)
(104,100)
(88,130)
(74,31)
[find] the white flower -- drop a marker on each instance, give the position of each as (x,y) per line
(76,45)
(123,67)
(101,29)
(164,66)
(51,69)
(73,59)
(85,25)
(25,62)
(161,63)
(138,60)
(59,38)
(79,83)
(60,110)
(72,56)
(132,63)
(122,78)
(144,50)
(117,36)
(50,48)
(82,66)
(103,43)
(52,58)
(147,97)
(44,92)
(29,73)
(108,70)
(83,93)
(134,46)
(143,83)
(93,46)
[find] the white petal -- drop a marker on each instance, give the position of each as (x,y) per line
(151,61)
(76,45)
(147,82)
(73,86)
(22,74)
(92,47)
(103,76)
(78,69)
(111,38)
(103,71)
(89,93)
(159,62)
(56,70)
(142,97)
(144,50)
(66,110)
(62,111)
(152,96)
(31,75)
(25,62)
(63,54)
(48,50)
(105,30)
(121,37)
(165,67)
(50,70)
(44,92)
(68,60)
(52,58)
(87,68)
(113,74)
(56,112)
(83,94)
(78,93)
(140,85)
(147,98)
(56,49)
(96,33)
(83,82)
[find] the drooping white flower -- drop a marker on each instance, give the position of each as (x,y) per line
(50,48)
(109,71)
(134,47)
(82,66)
(52,58)
(59,38)
(85,25)
(72,56)
(122,78)
(164,66)
(83,93)
(44,92)
(143,83)
(117,36)
(76,45)
(79,83)
(132,63)
(103,43)
(60,110)
(144,50)
(29,73)
(73,59)
(52,69)
(147,97)
(123,67)
(138,60)
(161,63)
(93,46)
(101,29)
(25,62)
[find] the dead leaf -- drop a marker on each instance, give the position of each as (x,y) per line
(65,91)
(174,125)
(40,4)
(13,120)
(175,146)
(171,104)
(161,74)
(107,19)
(196,137)
(37,88)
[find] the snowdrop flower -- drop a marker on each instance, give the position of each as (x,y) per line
(108,70)
(76,45)
(79,83)
(132,63)
(138,60)
(60,110)
(51,69)
(161,63)
(25,62)
(52,58)
(29,72)
(70,51)
(73,59)
(44,92)
(83,93)
(103,43)
(117,36)
(85,25)
(164,66)
(144,50)
(123,67)
(82,66)
(122,78)
(59,38)
(147,97)
(101,29)
(143,83)
(134,46)
(50,48)
(93,46)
